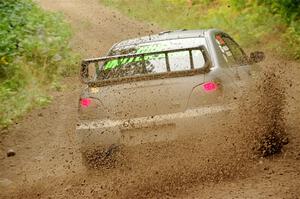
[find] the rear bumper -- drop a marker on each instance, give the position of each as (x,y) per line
(104,133)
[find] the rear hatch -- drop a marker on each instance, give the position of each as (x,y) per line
(130,86)
(142,98)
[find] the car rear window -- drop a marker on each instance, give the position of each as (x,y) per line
(151,64)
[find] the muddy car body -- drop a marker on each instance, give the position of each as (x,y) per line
(160,88)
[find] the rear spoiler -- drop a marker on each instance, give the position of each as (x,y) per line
(84,71)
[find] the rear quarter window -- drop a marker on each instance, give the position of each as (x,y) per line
(231,52)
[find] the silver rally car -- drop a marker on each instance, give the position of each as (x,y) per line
(160,87)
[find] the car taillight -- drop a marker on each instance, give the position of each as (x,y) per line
(85,102)
(209,86)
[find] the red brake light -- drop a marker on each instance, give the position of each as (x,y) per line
(209,86)
(85,102)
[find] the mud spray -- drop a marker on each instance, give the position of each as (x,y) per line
(169,169)
(173,169)
(262,113)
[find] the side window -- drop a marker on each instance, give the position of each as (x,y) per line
(232,52)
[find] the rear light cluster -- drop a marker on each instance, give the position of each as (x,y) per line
(85,102)
(209,86)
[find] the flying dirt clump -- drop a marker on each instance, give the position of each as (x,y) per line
(262,112)
(102,158)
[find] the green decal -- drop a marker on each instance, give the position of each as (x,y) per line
(144,49)
(111,64)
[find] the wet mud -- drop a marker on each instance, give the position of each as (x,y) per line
(263,112)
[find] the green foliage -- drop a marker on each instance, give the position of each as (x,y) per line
(275,24)
(34,52)
(288,9)
(292,39)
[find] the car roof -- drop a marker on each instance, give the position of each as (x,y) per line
(167,35)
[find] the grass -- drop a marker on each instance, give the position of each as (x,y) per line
(34,56)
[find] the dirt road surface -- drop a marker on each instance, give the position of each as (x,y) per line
(47,163)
